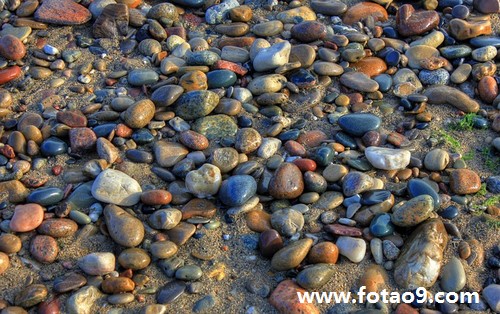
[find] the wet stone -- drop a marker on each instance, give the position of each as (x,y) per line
(171,292)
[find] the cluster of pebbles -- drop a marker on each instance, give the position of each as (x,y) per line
(150,126)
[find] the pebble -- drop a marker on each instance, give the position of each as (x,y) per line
(359,81)
(171,292)
(419,263)
(324,252)
(492,296)
(453,276)
(436,160)
(45,196)
(83,300)
(303,12)
(387,158)
(362,10)
(287,221)
(112,285)
(315,276)
(284,299)
(58,227)
(123,228)
(270,58)
(413,212)
(10,243)
(287,182)
(417,187)
(291,255)
(97,264)
(26,217)
(12,48)
(410,22)
(31,295)
(451,96)
(352,248)
(64,12)
(333,8)
(116,187)
(270,242)
(165,219)
(188,273)
(204,304)
(374,279)
(237,190)
(68,282)
(205,181)
(356,182)
(464,181)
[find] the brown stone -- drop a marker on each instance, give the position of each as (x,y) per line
(404,308)
(242,13)
(362,10)
(82,139)
(194,80)
(487,6)
(58,227)
(181,233)
(44,249)
(488,89)
(9,74)
(156,197)
(4,263)
(374,278)
(258,220)
(73,118)
(12,48)
(114,285)
(410,22)
(295,148)
(62,12)
(194,140)
(312,138)
(198,208)
(464,181)
(342,230)
(371,66)
(287,182)
(462,30)
(270,242)
(284,299)
(323,252)
(113,22)
(308,31)
(10,243)
(241,42)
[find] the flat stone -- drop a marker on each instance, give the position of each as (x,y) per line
(205,181)
(167,154)
(134,258)
(315,276)
(62,12)
(31,295)
(453,276)
(387,158)
(492,296)
(97,264)
(436,160)
(123,228)
(359,81)
(328,7)
(291,255)
(410,22)
(166,95)
(303,12)
(417,187)
(487,7)
(45,196)
(412,212)
(116,187)
(165,219)
(452,96)
(81,302)
(44,249)
(371,66)
(362,10)
(216,126)
(171,292)
(68,282)
(58,227)
(287,221)
(462,30)
(284,299)
(237,190)
(272,57)
(308,31)
(417,54)
(420,260)
(139,114)
(352,248)
(464,181)
(196,104)
(356,182)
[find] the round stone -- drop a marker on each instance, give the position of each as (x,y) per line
(205,181)
(165,219)
(12,48)
(287,182)
(381,225)
(237,190)
(97,264)
(464,181)
(163,249)
(139,77)
(287,221)
(358,124)
(436,160)
(352,248)
(44,249)
(196,104)
(413,212)
(123,228)
(26,217)
(292,255)
(453,276)
(10,243)
(134,258)
(189,272)
(139,114)
(315,276)
(115,187)
(324,252)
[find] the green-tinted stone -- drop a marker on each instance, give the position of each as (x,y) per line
(216,126)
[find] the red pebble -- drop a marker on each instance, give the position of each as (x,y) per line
(9,74)
(305,164)
(56,170)
(227,65)
(7,151)
(295,148)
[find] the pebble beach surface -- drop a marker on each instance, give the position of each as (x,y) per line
(218,157)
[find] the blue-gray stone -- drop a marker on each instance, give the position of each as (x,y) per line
(418,187)
(351,200)
(373,197)
(82,197)
(143,136)
(217,13)
(250,241)
(346,140)
(188,272)
(237,190)
(449,212)
(324,156)
(449,3)
(45,196)
(139,77)
(436,77)
(358,124)
(221,78)
(104,130)
(204,304)
(493,184)
(381,225)
(171,292)
(204,57)
(454,52)
(483,41)
(189,3)
(384,82)
(139,156)
(53,147)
